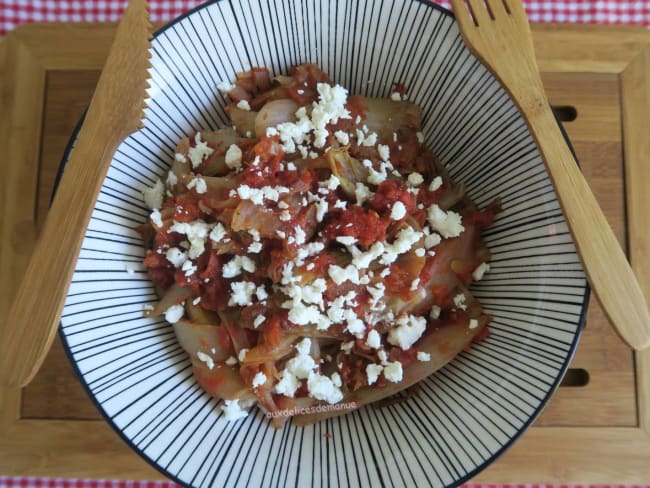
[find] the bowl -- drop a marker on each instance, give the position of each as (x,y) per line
(468,413)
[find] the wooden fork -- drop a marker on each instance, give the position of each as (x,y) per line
(498,34)
(116,110)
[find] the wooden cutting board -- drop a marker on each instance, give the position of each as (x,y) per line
(595,429)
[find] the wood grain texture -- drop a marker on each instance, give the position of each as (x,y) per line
(502,40)
(116,111)
(595,79)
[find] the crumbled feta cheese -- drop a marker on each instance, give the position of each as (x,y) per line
(424,356)
(415,283)
(232,411)
(199,152)
(198,184)
(448,224)
(384,152)
(174,313)
(156,218)
(301,366)
(203,357)
(180,158)
(396,97)
(419,252)
(196,301)
(233,157)
(383,357)
(407,331)
(196,233)
(259,379)
(372,372)
(480,270)
(362,193)
(189,268)
(374,339)
(242,355)
(231,361)
(339,274)
(244,105)
(258,195)
(218,233)
(225,86)
(242,292)
(398,212)
(261,293)
(347,240)
(342,137)
(436,183)
(473,323)
(460,301)
(420,137)
(171,179)
(323,388)
(393,371)
(355,326)
(259,320)
(370,140)
(288,384)
(153,197)
(347,346)
(415,179)
(255,247)
(435,312)
(432,240)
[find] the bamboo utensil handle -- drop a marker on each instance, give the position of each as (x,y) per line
(115,111)
(497,32)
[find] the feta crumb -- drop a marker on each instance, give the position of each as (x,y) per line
(347,240)
(176,257)
(362,193)
(415,179)
(342,137)
(424,356)
(480,271)
(435,312)
(398,212)
(225,86)
(347,346)
(174,313)
(218,233)
(198,184)
(415,283)
(242,355)
(244,105)
(255,247)
(259,320)
(233,157)
(199,152)
(232,411)
(393,371)
(384,152)
(419,252)
(436,183)
(448,224)
(473,323)
(259,379)
(407,331)
(203,357)
(460,301)
(180,158)
(396,97)
(383,357)
(374,339)
(242,292)
(231,361)
(153,197)
(372,372)
(323,388)
(288,384)
(420,137)
(156,218)
(432,240)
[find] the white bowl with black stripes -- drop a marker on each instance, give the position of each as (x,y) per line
(468,413)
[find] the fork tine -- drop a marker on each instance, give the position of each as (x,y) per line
(463,16)
(479,11)
(515,8)
(497,7)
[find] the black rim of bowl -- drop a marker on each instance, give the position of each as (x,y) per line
(581,323)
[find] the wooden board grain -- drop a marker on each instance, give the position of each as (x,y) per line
(595,433)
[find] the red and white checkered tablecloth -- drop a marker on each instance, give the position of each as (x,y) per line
(16,12)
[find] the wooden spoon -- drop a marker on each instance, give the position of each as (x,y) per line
(498,34)
(116,110)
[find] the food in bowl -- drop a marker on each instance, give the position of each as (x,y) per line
(316,253)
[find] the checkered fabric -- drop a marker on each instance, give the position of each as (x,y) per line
(16,12)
